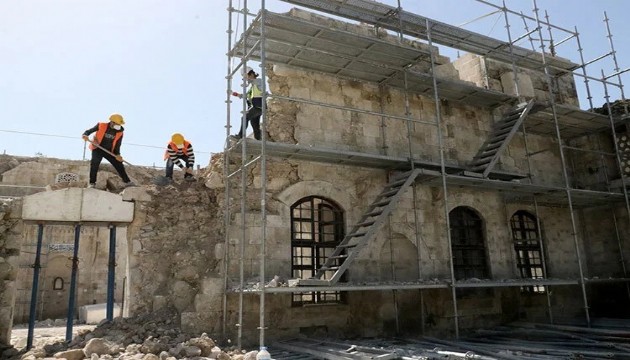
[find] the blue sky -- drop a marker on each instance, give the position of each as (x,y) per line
(67,64)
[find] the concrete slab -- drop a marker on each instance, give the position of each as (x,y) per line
(77,205)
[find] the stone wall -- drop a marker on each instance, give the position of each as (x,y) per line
(10,234)
(498,76)
(56,262)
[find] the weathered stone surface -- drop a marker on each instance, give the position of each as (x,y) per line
(73,354)
(99,347)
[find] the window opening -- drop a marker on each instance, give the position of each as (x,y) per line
(527,246)
(317,227)
(469,250)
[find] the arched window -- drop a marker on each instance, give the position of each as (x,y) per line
(527,246)
(58,283)
(317,227)
(468,244)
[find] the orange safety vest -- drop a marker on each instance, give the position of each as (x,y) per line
(100,133)
(175,148)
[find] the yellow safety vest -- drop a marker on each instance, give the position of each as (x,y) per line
(253,91)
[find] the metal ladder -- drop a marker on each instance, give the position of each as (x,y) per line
(361,233)
(503,132)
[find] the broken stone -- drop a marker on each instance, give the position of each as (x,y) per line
(98,346)
(74,354)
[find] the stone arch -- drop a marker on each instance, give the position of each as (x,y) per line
(398,259)
(324,189)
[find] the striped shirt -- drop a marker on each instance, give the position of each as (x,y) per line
(177,156)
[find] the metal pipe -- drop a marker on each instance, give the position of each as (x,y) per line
(618,158)
(478,18)
(589,150)
(438,114)
(226,182)
(617,74)
(614,56)
(565,40)
(564,169)
(243,191)
(531,40)
(597,59)
(509,34)
(552,46)
(73,282)
(526,35)
(622,258)
(263,175)
(603,81)
(34,290)
(589,96)
(525,16)
(111,273)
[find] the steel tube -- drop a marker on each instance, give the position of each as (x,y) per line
(111,273)
(34,290)
(73,283)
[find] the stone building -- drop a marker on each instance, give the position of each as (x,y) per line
(394,191)
(399,201)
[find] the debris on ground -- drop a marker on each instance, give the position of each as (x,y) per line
(152,336)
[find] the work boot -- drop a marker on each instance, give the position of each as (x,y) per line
(91,186)
(129,184)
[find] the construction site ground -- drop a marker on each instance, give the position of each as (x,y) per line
(158,337)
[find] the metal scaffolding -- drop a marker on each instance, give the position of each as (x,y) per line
(283,39)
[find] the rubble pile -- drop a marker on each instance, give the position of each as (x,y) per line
(152,336)
(618,108)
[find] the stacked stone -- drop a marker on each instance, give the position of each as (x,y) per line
(9,251)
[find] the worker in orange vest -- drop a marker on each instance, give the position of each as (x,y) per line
(108,137)
(179,152)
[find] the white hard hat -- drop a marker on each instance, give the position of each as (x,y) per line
(247,70)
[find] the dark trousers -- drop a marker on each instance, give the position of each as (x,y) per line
(170,164)
(253,116)
(97,157)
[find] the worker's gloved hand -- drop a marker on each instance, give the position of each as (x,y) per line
(119,158)
(85,138)
(236,94)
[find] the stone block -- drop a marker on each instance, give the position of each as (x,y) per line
(525,86)
(136,193)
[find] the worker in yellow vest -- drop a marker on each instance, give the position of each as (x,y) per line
(179,151)
(254,103)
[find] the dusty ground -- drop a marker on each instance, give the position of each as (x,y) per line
(44,334)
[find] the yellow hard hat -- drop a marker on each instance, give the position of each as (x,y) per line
(177,139)
(117,119)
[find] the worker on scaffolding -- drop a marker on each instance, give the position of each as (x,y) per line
(179,152)
(254,103)
(106,144)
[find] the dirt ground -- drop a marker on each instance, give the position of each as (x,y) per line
(43,334)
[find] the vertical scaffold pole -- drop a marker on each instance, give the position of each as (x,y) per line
(565,174)
(226,172)
(509,34)
(111,273)
(33,306)
(243,141)
(73,282)
(583,66)
(438,112)
(263,174)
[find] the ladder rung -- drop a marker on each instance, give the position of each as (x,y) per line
(339,256)
(382,202)
(493,146)
(366,223)
(374,213)
(478,168)
(504,131)
(388,193)
(396,183)
(404,175)
(498,139)
(486,152)
(508,123)
(328,268)
(480,162)
(356,234)
(347,245)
